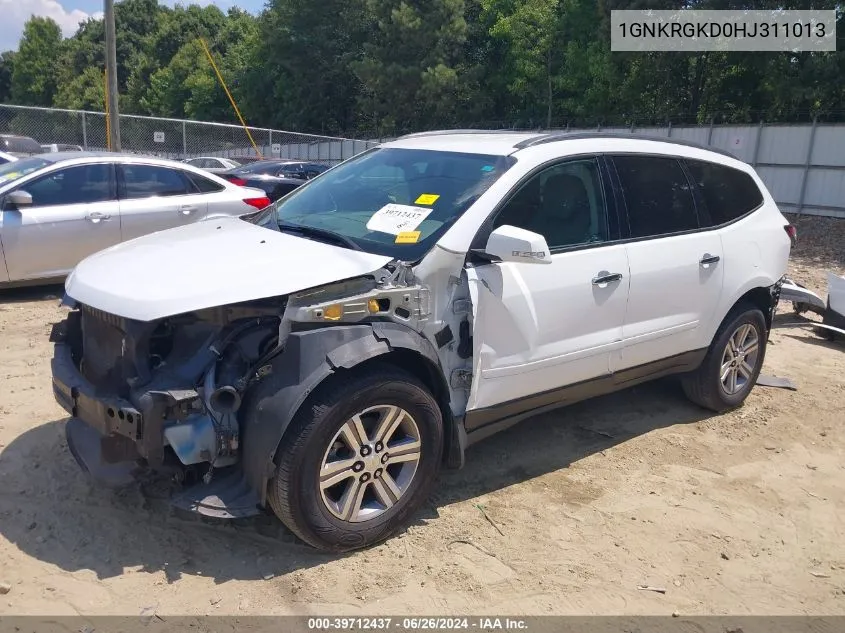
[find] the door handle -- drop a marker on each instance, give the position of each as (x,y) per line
(96,216)
(187,209)
(604,278)
(708,259)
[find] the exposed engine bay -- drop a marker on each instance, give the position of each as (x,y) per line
(167,393)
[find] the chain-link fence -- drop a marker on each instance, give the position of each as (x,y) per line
(173,138)
(802,164)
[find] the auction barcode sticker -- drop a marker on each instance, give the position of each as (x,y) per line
(397,218)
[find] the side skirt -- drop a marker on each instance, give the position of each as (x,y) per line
(482,423)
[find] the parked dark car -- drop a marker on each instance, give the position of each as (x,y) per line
(19,146)
(303,170)
(276,178)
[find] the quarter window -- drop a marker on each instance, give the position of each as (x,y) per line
(205,185)
(565,204)
(657,194)
(146,181)
(83,184)
(728,193)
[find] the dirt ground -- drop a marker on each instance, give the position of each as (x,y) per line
(567,513)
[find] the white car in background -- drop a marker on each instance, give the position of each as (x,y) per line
(61,147)
(214,164)
(56,209)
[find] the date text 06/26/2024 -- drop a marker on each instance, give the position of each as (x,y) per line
(417,624)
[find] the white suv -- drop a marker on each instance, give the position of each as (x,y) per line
(324,357)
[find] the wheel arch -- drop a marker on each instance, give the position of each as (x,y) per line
(313,358)
(762,293)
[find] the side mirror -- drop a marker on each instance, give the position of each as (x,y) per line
(512,244)
(18,199)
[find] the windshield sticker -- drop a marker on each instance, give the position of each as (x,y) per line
(487,168)
(408,237)
(427,198)
(397,218)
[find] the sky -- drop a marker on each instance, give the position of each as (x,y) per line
(69,13)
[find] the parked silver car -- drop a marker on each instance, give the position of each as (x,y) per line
(214,164)
(56,209)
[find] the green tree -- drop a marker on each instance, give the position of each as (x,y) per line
(299,74)
(35,74)
(7,61)
(410,61)
(84,92)
(531,29)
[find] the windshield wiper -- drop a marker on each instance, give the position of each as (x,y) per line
(324,234)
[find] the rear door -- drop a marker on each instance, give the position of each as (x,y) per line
(676,262)
(154,198)
(221,201)
(74,213)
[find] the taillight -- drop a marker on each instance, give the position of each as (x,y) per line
(792,232)
(240,182)
(258,203)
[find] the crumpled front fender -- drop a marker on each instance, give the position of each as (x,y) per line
(307,360)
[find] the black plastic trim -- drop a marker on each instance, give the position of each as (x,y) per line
(308,358)
(481,423)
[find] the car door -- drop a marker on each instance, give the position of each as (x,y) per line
(74,213)
(540,327)
(676,266)
(156,197)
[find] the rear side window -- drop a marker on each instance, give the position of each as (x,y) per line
(205,185)
(728,193)
(147,181)
(657,194)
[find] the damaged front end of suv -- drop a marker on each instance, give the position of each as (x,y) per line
(184,399)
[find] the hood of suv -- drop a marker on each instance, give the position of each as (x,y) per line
(209,264)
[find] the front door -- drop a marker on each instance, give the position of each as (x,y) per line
(540,327)
(74,214)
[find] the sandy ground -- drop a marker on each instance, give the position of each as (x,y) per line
(567,513)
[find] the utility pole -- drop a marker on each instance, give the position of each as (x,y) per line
(111,74)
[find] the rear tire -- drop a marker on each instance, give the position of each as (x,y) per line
(340,483)
(734,360)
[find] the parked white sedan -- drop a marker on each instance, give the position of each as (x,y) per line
(56,209)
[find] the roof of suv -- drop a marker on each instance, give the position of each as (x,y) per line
(504,143)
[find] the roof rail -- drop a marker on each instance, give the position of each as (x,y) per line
(447,132)
(551,137)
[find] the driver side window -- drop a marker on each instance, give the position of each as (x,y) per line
(564,203)
(82,184)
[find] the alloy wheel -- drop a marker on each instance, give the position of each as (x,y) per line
(370,464)
(739,359)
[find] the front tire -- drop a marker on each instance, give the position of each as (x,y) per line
(359,459)
(733,362)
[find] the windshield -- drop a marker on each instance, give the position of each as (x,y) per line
(394,202)
(20,168)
